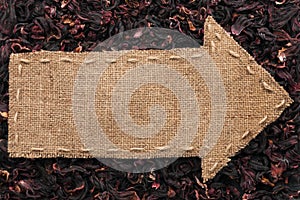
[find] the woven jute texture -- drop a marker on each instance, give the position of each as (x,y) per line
(208,102)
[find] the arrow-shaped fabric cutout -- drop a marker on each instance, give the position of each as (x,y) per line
(208,102)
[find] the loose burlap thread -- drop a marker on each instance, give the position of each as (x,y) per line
(42,121)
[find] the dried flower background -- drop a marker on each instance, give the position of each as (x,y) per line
(269,30)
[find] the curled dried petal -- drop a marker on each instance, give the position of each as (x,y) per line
(240,24)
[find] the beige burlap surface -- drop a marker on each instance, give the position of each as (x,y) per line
(208,102)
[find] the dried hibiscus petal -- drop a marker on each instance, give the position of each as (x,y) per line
(240,24)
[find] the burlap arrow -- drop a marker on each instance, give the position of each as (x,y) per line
(142,104)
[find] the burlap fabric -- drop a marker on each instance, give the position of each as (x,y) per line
(152,103)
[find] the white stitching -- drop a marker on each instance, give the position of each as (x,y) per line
(228,147)
(263,120)
(267,86)
(112,150)
(20,69)
(65,59)
(187,148)
(174,57)
(18,94)
(16,117)
(245,134)
(26,61)
(110,60)
(132,60)
(213,167)
(63,149)
(137,149)
(85,150)
(218,36)
(163,148)
(250,70)
(89,61)
(281,104)
(37,149)
(213,46)
(152,58)
(44,60)
(234,54)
